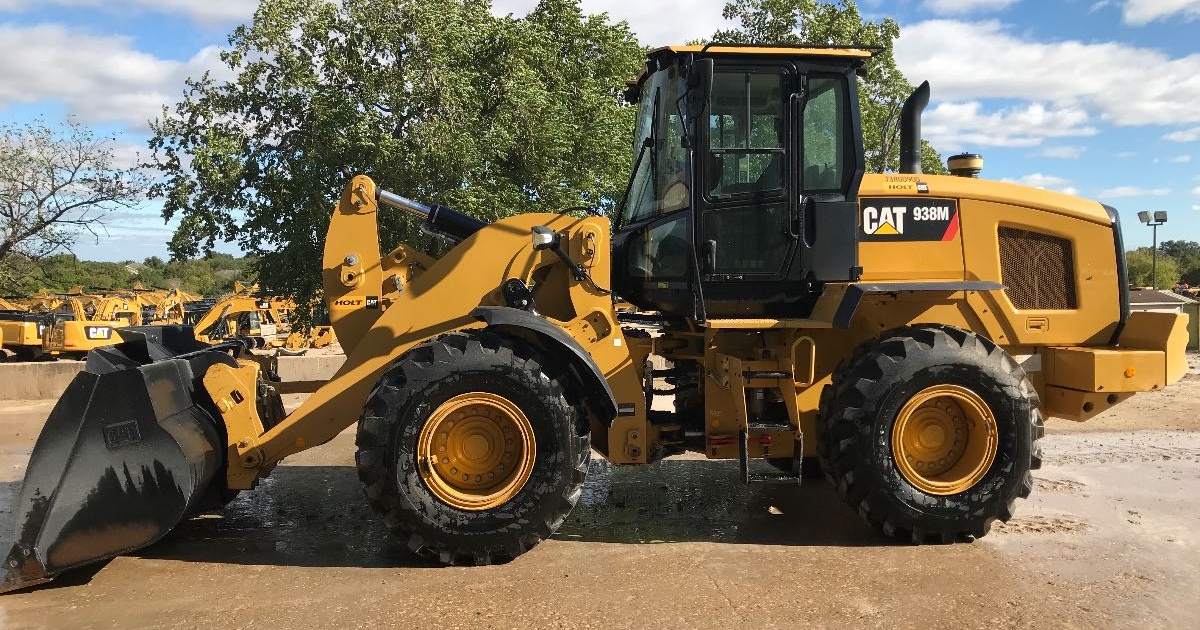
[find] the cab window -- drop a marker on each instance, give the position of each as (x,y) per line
(827,157)
(746,134)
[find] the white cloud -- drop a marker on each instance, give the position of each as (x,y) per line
(1196,190)
(1099,5)
(1134,191)
(205,11)
(1063,152)
(1184,135)
(1181,159)
(963,125)
(1098,77)
(655,24)
(1140,12)
(959,7)
(1046,182)
(102,79)
(1125,154)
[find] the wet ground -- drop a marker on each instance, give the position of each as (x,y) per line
(1108,539)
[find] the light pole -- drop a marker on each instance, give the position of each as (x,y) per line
(1159,218)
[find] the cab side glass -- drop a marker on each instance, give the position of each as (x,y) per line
(826,154)
(661,252)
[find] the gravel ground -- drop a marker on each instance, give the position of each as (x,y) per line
(1108,539)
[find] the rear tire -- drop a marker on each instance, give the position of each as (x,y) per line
(496,390)
(930,433)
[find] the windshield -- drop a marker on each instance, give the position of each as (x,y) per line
(660,180)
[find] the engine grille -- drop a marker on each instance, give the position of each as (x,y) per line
(1037,269)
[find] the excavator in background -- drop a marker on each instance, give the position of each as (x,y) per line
(83,322)
(7,308)
(246,314)
(168,307)
(21,328)
(319,336)
(54,325)
(908,331)
(22,333)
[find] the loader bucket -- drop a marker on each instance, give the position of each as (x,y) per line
(129,450)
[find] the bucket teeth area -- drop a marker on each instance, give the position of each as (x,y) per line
(127,452)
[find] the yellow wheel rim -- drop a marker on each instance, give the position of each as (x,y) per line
(476,451)
(944,440)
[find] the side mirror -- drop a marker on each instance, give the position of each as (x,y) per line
(699,83)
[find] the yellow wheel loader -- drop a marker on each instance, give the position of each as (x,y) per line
(910,332)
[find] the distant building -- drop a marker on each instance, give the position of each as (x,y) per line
(1161,301)
(134,268)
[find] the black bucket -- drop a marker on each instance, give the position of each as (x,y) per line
(130,449)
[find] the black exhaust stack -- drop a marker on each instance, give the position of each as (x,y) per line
(910,129)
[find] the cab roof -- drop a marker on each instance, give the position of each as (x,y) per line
(787,51)
(858,55)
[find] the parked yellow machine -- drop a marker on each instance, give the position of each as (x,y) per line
(316,337)
(247,315)
(910,331)
(168,307)
(22,329)
(23,332)
(83,322)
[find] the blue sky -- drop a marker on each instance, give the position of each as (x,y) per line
(1093,97)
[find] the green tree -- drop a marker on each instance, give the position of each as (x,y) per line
(1140,262)
(436,99)
(55,184)
(1187,254)
(881,92)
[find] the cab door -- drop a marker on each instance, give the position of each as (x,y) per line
(779,165)
(746,230)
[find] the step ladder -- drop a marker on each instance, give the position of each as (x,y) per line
(763,434)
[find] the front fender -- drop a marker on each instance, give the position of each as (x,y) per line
(597,394)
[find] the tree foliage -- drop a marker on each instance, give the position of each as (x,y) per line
(55,183)
(1187,254)
(881,92)
(210,276)
(1141,262)
(436,99)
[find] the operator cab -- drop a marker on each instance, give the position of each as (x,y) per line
(743,197)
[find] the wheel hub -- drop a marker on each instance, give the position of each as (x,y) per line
(476,451)
(944,440)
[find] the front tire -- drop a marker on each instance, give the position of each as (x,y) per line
(473,448)
(930,433)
